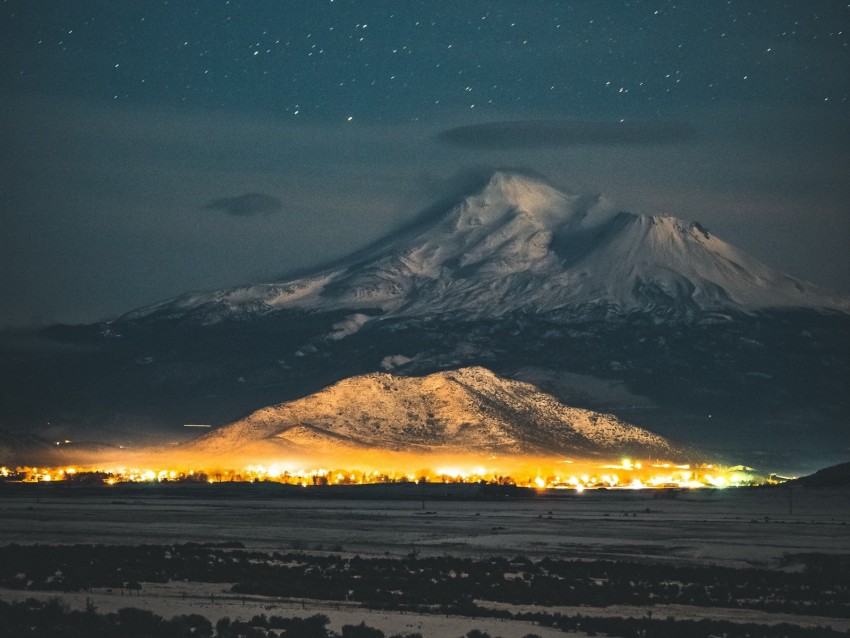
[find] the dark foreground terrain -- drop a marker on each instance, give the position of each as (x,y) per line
(155,562)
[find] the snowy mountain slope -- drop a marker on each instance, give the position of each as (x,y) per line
(470,410)
(650,318)
(521,245)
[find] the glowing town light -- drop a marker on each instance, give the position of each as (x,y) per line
(716,481)
(626,473)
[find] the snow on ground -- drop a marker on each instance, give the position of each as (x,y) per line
(214,601)
(731,527)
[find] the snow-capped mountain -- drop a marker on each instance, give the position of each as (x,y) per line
(466,411)
(650,318)
(521,245)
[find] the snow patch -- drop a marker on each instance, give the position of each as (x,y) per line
(348,326)
(394,361)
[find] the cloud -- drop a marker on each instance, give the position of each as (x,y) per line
(247,205)
(446,190)
(558,133)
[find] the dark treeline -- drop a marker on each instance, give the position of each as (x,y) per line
(671,628)
(821,588)
(52,619)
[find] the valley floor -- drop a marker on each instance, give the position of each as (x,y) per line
(734,527)
(734,531)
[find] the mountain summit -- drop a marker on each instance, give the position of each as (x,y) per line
(519,244)
(651,318)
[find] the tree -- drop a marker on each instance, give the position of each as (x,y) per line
(192,626)
(312,627)
(361,631)
(222,627)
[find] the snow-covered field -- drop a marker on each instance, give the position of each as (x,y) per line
(214,601)
(732,527)
(738,528)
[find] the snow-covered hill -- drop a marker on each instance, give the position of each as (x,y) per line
(466,411)
(521,245)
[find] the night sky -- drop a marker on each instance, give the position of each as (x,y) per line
(149,148)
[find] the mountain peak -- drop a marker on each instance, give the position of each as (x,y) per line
(512,193)
(512,183)
(520,245)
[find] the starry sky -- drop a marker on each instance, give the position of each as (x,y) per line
(153,147)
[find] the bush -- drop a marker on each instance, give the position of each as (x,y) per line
(361,631)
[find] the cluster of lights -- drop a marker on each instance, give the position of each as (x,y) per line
(634,475)
(627,474)
(38,474)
